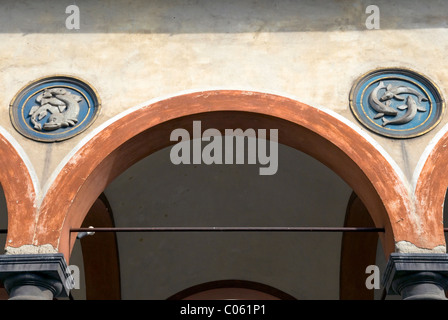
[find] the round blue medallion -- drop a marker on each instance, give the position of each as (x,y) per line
(397,103)
(54,108)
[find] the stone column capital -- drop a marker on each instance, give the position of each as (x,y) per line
(35,276)
(417,276)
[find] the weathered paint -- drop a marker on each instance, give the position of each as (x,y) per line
(146,129)
(430,185)
(21,190)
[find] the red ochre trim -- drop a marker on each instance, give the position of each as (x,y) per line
(147,129)
(100,255)
(430,192)
(20,195)
(358,250)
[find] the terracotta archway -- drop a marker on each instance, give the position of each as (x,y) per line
(100,254)
(431,184)
(358,250)
(20,192)
(137,134)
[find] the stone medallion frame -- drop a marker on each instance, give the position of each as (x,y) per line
(432,106)
(38,113)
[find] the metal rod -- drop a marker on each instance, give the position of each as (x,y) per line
(228,229)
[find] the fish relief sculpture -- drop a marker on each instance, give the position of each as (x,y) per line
(61,104)
(383,105)
(396,103)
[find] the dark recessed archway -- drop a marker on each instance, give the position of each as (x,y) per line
(358,250)
(100,255)
(231,289)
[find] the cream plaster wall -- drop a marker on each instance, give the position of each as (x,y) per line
(132,52)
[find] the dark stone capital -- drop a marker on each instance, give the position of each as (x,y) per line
(35,276)
(417,276)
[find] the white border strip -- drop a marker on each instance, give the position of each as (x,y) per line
(117,117)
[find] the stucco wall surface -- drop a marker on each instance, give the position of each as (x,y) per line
(132,52)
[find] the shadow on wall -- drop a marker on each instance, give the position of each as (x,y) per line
(207,16)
